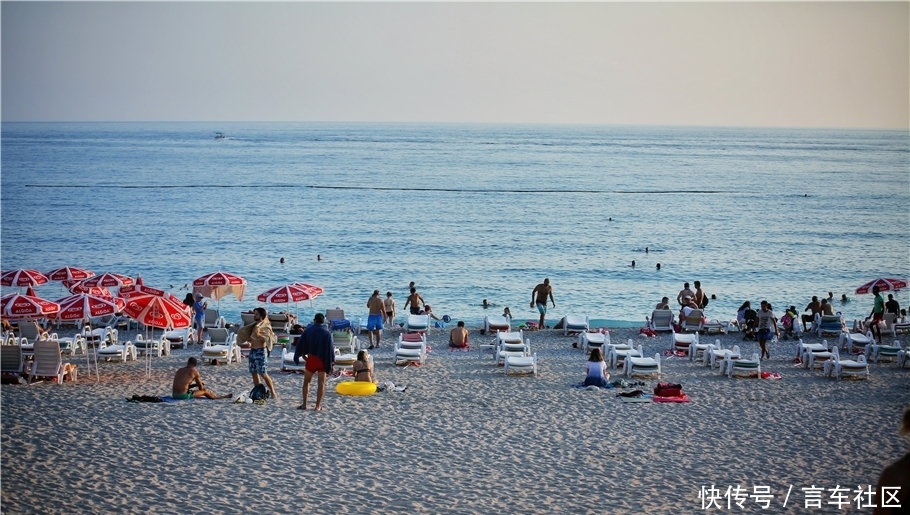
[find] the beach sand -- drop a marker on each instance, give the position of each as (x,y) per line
(462,438)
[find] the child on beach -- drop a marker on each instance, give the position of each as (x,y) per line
(389,304)
(597,369)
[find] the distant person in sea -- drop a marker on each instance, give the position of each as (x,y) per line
(633,263)
(844,299)
(188,377)
(281,261)
(318,257)
(316,344)
(892,306)
(815,308)
(507,313)
(414,301)
(458,337)
(767,328)
(485,304)
(663,304)
(374,321)
(658,266)
(683,294)
(596,369)
(389,304)
(646,250)
(897,477)
(539,296)
(830,297)
(199,315)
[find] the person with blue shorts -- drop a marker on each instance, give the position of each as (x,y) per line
(539,296)
(374,322)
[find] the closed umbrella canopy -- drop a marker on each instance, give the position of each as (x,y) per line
(22,277)
(883,283)
(83,305)
(15,306)
(159,312)
(69,273)
(220,284)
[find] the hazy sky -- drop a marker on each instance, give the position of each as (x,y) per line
(740,64)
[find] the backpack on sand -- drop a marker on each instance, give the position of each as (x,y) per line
(260,393)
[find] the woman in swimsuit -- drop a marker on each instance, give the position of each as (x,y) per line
(362,369)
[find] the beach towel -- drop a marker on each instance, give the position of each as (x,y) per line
(677,353)
(245,334)
(770,375)
(341,325)
(643,398)
(678,398)
(593,387)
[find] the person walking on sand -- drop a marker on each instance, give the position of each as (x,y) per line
(414,300)
(539,296)
(877,314)
(766,321)
(199,315)
(389,303)
(374,322)
(316,344)
(188,377)
(261,338)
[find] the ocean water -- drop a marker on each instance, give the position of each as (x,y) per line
(468,212)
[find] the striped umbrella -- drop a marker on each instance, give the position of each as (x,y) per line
(69,273)
(22,277)
(883,283)
(108,280)
(16,306)
(83,305)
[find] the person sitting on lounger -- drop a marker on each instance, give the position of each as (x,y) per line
(188,377)
(458,338)
(597,369)
(663,304)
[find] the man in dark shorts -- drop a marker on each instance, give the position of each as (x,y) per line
(539,298)
(316,344)
(815,308)
(414,301)
(188,377)
(878,313)
(374,322)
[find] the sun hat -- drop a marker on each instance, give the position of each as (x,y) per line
(198,295)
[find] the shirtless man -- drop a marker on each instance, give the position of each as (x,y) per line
(699,295)
(539,296)
(414,300)
(459,336)
(685,292)
(374,322)
(260,339)
(663,304)
(187,377)
(815,308)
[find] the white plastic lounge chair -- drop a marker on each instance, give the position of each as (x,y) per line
(714,327)
(660,320)
(221,346)
(700,349)
(333,314)
(887,324)
(281,323)
(642,366)
(48,362)
(855,343)
(620,354)
(345,340)
(829,324)
(815,355)
(213,319)
(510,347)
(836,367)
(588,341)
(247,318)
(752,367)
(902,326)
(159,347)
(11,359)
(574,324)
(180,337)
(716,355)
(27,349)
(287,361)
(693,322)
(683,342)
(418,354)
(521,364)
(30,330)
(903,357)
(71,345)
(110,347)
(345,361)
(412,340)
(877,352)
(417,323)
(492,324)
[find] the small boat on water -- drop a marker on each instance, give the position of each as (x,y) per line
(219,135)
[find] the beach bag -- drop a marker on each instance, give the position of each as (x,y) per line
(787,320)
(260,393)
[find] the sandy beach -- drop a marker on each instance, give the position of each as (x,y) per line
(462,438)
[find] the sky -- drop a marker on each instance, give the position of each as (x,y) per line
(777,64)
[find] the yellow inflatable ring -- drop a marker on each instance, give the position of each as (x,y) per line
(355,388)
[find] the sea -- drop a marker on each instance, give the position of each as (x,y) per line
(467,212)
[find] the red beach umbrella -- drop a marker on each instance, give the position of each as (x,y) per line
(883,283)
(108,280)
(295,292)
(69,273)
(83,305)
(22,277)
(98,291)
(128,292)
(219,284)
(15,306)
(159,312)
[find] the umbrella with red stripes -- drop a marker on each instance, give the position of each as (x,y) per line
(22,277)
(108,280)
(82,306)
(883,283)
(69,273)
(288,293)
(16,306)
(220,284)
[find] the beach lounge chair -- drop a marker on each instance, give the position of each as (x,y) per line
(815,355)
(714,327)
(642,366)
(829,324)
(152,347)
(693,321)
(334,314)
(855,343)
(510,346)
(660,320)
(752,367)
(71,345)
(27,349)
(110,347)
(903,326)
(11,359)
(30,330)
(837,368)
(287,361)
(247,318)
(619,354)
(345,361)
(180,337)
(417,323)
(716,355)
(521,364)
(345,340)
(700,349)
(875,352)
(412,340)
(574,324)
(887,324)
(492,324)
(903,357)
(48,362)
(414,351)
(213,319)
(683,342)
(221,346)
(281,323)
(588,341)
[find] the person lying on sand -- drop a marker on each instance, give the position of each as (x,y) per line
(188,377)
